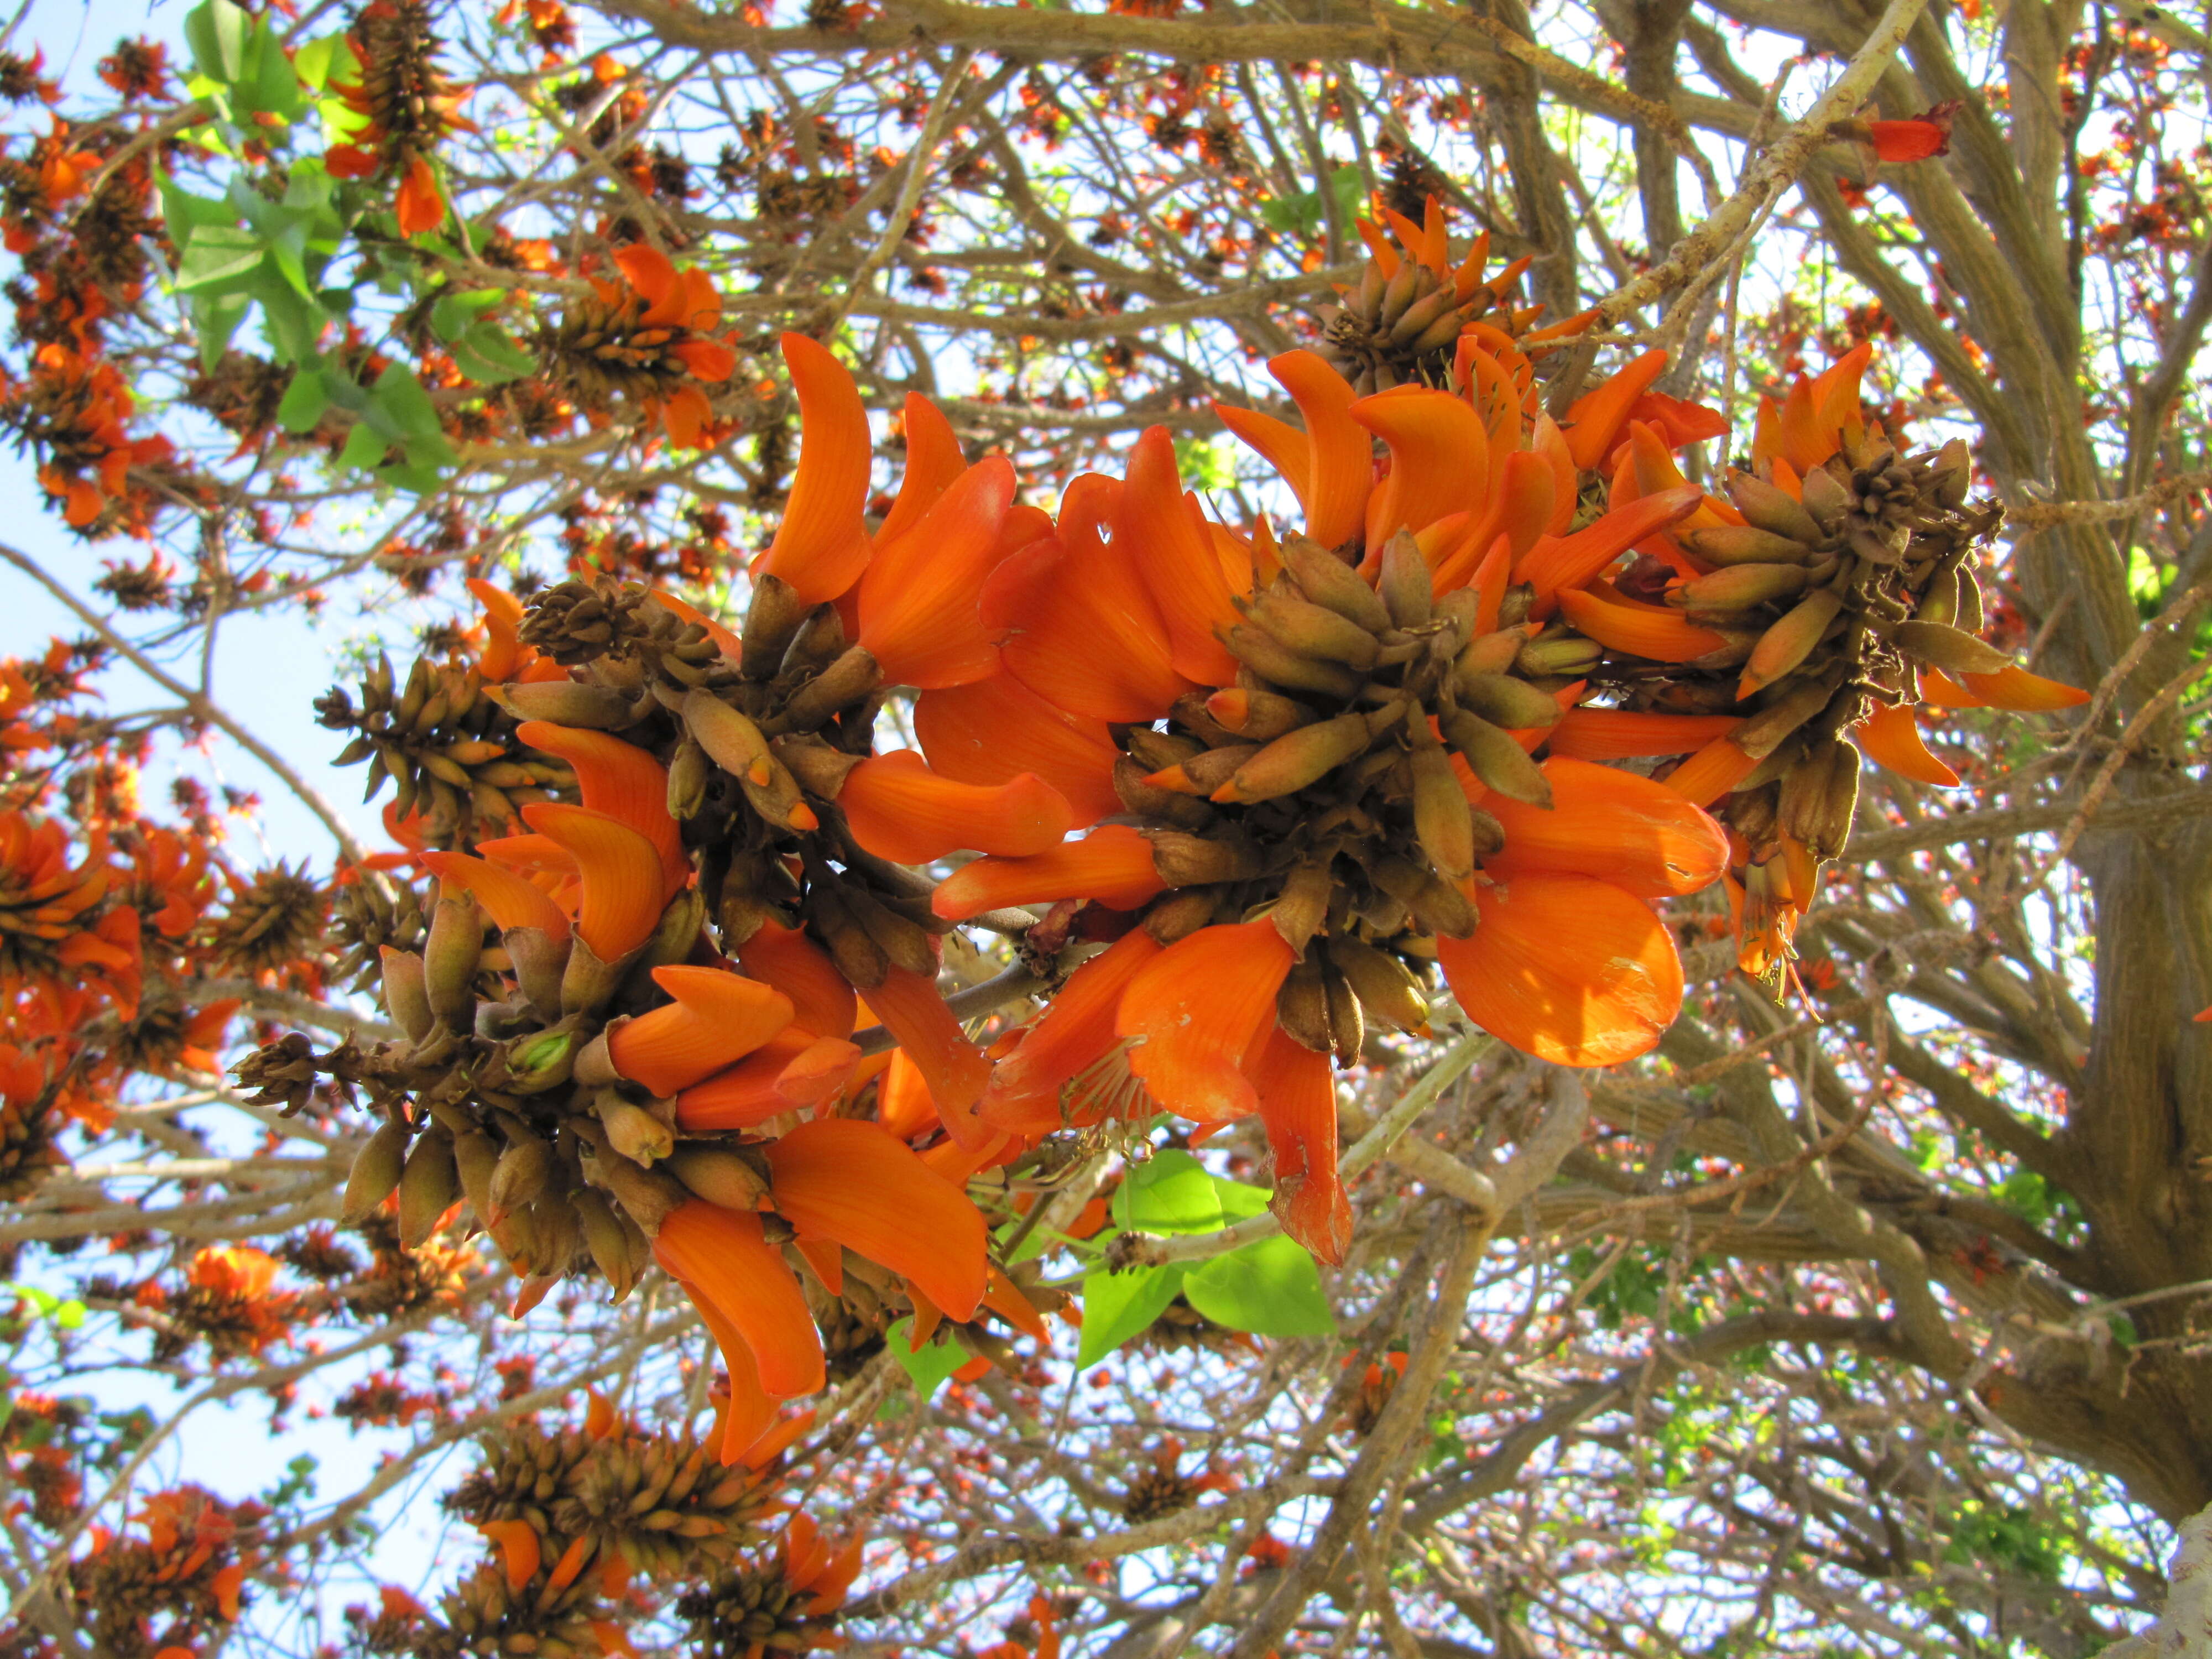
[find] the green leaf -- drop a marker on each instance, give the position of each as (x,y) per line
(930,1367)
(183,213)
(1268,1287)
(486,356)
(402,395)
(1117,1306)
(216,317)
(313,60)
(216,32)
(70,1315)
(218,253)
(305,401)
(1239,1201)
(364,447)
(1171,1192)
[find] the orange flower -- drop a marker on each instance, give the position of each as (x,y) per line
(856,1184)
(1641,836)
(717,1018)
(420,205)
(1817,418)
(955,1068)
(917,599)
(1329,464)
(620,871)
(507,898)
(992,730)
(1297,1090)
(1112,864)
(1890,734)
(793,1069)
(1603,734)
(726,1264)
(822,999)
(821,547)
(1568,968)
(622,781)
(1173,552)
(1029,1090)
(1710,773)
(1196,1009)
(1657,632)
(898,808)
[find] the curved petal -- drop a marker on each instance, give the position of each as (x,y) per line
(1559,564)
(900,810)
(502,647)
(750,1093)
(722,1258)
(933,460)
(822,545)
(1567,968)
(918,611)
(1167,542)
(1026,1091)
(1594,424)
(1640,835)
(718,1017)
(1073,619)
(850,1181)
(1653,632)
(955,1068)
(508,899)
(622,781)
(902,1104)
(1112,866)
(787,959)
(992,730)
(1439,460)
(1604,734)
(1341,452)
(620,870)
(2013,687)
(1196,1009)
(1891,735)
(1710,773)
(1298,1106)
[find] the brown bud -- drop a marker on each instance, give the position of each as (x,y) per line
(905,942)
(450,954)
(1558,653)
(846,681)
(772,620)
(1327,581)
(1314,631)
(857,956)
(1740,586)
(634,1132)
(1731,544)
(1492,653)
(1260,716)
(1179,914)
(1763,733)
(1293,762)
(729,737)
(1277,663)
(1951,649)
(1205,772)
(1403,581)
(1185,860)
(604,1239)
(1156,751)
(539,960)
(568,703)
(1302,1007)
(1496,757)
(406,998)
(523,1171)
(377,1168)
(1504,700)
(721,1174)
(1346,1029)
(1149,800)
(1826,498)
(1788,642)
(1385,986)
(820,769)
(1442,821)
(689,769)
(1302,909)
(586,981)
(475,1156)
(1770,508)
(646,1196)
(427,1186)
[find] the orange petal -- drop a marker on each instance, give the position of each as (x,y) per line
(1341,452)
(1075,622)
(419,206)
(507,899)
(900,810)
(933,460)
(992,730)
(749,1093)
(722,1258)
(1113,865)
(1567,968)
(1027,1090)
(1655,632)
(822,545)
(852,1181)
(711,360)
(902,1104)
(520,1550)
(1605,734)
(622,781)
(653,275)
(1710,773)
(1298,1106)
(1439,460)
(1169,546)
(787,959)
(1559,564)
(747,1413)
(1003,1297)
(1196,1008)
(717,1018)
(955,1068)
(502,631)
(726,640)
(819,1071)
(1594,424)
(1639,835)
(918,611)
(1891,735)
(2013,687)
(623,876)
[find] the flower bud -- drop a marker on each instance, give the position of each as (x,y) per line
(1386,987)
(1302,1007)
(634,1132)
(1496,757)
(1442,821)
(376,1171)
(1504,700)
(772,620)
(406,997)
(844,683)
(1293,762)
(427,1186)
(1558,653)
(1314,631)
(568,703)
(1951,649)
(721,1174)
(1198,860)
(1403,581)
(1275,662)
(1327,581)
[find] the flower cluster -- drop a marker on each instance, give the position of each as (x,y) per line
(405,105)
